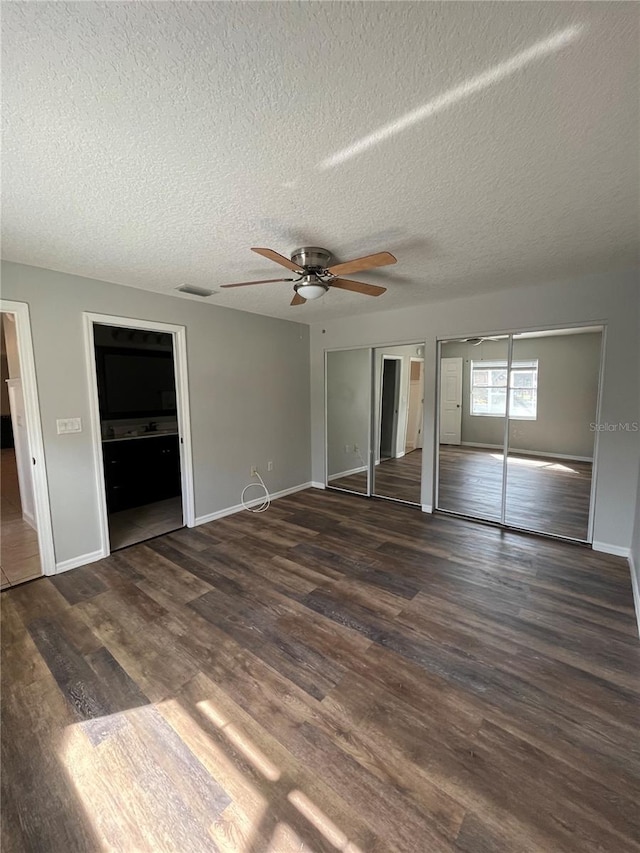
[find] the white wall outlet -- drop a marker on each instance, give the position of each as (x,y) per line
(65,425)
(347,448)
(254,470)
(269,466)
(355,448)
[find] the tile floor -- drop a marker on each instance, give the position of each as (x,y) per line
(144,522)
(19,554)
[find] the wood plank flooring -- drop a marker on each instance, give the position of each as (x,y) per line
(544,494)
(393,478)
(334,674)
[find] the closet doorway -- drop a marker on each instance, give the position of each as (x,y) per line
(524,455)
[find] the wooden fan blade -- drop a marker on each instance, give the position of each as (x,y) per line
(262,281)
(381,259)
(279,259)
(358,287)
(298,300)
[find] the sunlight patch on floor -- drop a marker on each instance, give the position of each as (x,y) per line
(535,463)
(251,752)
(322,823)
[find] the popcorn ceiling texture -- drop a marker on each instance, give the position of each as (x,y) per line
(154,144)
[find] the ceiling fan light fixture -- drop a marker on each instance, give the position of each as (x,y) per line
(311,287)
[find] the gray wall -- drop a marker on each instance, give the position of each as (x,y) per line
(593,299)
(248,385)
(568,371)
(348,401)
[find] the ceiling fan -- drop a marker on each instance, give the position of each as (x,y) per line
(315,276)
(477,341)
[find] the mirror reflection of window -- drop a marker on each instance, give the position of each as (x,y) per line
(536,394)
(473,400)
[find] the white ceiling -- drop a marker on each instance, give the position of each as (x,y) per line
(487,146)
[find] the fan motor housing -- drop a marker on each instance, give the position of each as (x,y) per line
(311,258)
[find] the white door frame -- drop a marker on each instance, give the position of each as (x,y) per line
(179,337)
(421,361)
(378,427)
(42,508)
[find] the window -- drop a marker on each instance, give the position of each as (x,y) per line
(489,389)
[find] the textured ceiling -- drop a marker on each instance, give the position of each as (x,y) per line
(487,146)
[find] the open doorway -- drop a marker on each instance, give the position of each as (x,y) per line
(389,406)
(19,550)
(140,430)
(26,546)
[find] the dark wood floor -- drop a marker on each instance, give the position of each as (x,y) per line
(393,478)
(544,494)
(335,674)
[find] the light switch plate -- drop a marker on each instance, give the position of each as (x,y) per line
(65,425)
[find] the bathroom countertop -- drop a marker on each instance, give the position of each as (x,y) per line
(153,434)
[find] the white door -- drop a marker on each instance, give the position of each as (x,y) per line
(416,406)
(450,400)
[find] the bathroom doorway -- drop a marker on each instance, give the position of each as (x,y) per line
(140,424)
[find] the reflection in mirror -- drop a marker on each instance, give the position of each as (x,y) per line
(473,393)
(348,389)
(398,407)
(553,401)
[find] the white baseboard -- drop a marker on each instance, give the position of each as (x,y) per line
(315,485)
(606,548)
(528,452)
(82,560)
(348,473)
(230,510)
(635,586)
(26,516)
(427,508)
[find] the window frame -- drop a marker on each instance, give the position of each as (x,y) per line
(520,366)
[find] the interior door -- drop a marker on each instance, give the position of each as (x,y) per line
(450,400)
(473,422)
(348,397)
(553,397)
(413,438)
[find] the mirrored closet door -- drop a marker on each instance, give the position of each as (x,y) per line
(374,406)
(553,399)
(398,405)
(517,433)
(348,408)
(473,392)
